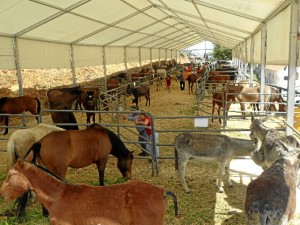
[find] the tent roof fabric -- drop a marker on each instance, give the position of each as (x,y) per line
(170,24)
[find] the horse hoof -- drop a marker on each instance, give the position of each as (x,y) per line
(188,192)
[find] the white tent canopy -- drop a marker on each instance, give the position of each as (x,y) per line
(44,30)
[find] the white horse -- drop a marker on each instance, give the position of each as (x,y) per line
(210,147)
(21,140)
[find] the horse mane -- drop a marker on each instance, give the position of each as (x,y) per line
(117,144)
(48,172)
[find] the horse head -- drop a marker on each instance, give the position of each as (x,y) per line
(125,164)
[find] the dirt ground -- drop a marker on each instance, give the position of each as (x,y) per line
(204,205)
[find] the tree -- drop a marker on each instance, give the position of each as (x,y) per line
(221,53)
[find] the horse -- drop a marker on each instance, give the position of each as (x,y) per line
(63,99)
(65,120)
(80,148)
(219,148)
(192,78)
(130,203)
(139,91)
(248,94)
(219,99)
(17,105)
(21,140)
(271,198)
(276,97)
(64,96)
(89,102)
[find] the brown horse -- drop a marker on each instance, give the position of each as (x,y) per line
(192,78)
(139,91)
(81,148)
(16,105)
(219,99)
(130,203)
(249,94)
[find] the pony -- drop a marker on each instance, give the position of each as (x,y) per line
(64,96)
(192,78)
(63,99)
(139,91)
(219,148)
(77,149)
(80,148)
(271,198)
(219,99)
(130,203)
(17,105)
(21,140)
(248,94)
(64,119)
(277,97)
(89,102)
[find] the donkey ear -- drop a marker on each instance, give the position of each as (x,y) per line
(287,148)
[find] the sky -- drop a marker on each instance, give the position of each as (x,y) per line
(199,49)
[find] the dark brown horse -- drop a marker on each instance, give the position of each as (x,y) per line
(64,96)
(89,102)
(139,91)
(64,119)
(130,203)
(17,105)
(63,99)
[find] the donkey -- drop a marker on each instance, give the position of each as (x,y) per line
(270,149)
(276,205)
(219,148)
(139,91)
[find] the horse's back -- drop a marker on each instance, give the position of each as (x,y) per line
(77,148)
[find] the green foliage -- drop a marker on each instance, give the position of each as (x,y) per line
(221,53)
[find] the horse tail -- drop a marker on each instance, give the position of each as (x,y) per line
(38,109)
(175,202)
(11,154)
(35,148)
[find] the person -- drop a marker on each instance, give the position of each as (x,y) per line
(142,136)
(145,120)
(181,80)
(198,69)
(168,83)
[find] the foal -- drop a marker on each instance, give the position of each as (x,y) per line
(219,148)
(130,203)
